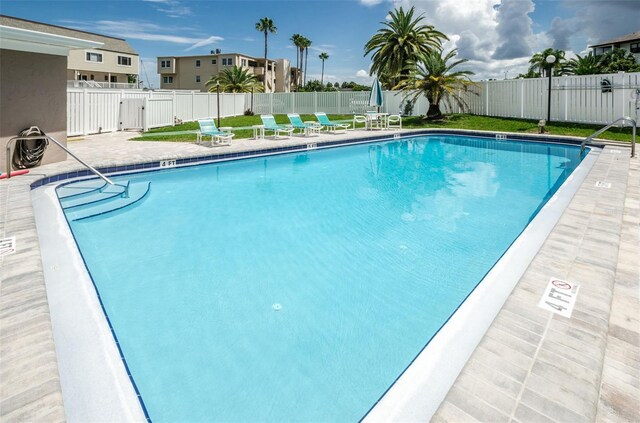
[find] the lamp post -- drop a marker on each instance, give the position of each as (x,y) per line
(550,59)
(218,100)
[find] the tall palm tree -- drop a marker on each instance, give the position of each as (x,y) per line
(398,45)
(266,26)
(587,65)
(539,62)
(306,44)
(435,78)
(323,57)
(296,39)
(300,44)
(235,80)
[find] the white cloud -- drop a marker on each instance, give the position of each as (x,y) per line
(140,30)
(172,8)
(362,74)
(371,2)
(206,42)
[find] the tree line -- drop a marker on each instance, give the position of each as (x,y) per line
(613,61)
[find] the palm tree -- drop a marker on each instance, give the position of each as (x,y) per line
(300,42)
(296,39)
(398,45)
(323,57)
(587,65)
(435,78)
(235,80)
(539,62)
(619,60)
(266,26)
(306,43)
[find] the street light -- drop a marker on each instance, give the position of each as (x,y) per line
(218,100)
(550,59)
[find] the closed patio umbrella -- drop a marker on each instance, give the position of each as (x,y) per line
(375,98)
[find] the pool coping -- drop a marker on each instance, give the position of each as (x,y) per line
(26,262)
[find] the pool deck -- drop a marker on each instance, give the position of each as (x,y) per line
(531,365)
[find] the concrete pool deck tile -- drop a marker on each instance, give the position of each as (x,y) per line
(595,345)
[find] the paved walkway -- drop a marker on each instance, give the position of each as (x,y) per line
(533,365)
(530,366)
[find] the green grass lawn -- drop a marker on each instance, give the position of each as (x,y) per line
(462,121)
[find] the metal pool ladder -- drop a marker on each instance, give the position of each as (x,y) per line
(623,119)
(38,137)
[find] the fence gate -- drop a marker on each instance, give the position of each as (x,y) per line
(131,113)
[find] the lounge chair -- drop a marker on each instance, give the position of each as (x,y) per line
(324,121)
(305,128)
(360,119)
(270,124)
(208,129)
(394,121)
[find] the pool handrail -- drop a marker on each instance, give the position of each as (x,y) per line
(622,119)
(53,140)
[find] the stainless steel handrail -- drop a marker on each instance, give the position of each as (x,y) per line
(50,138)
(609,126)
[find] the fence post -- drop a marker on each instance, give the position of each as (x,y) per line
(173,107)
(521,82)
(315,102)
(293,102)
(625,100)
(193,106)
(339,102)
(486,96)
(85,112)
(566,99)
(271,103)
(145,114)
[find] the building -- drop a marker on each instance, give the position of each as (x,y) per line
(109,64)
(629,42)
(33,72)
(192,72)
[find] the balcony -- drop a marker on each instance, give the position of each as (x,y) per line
(97,84)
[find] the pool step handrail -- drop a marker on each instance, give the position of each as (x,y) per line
(623,119)
(53,140)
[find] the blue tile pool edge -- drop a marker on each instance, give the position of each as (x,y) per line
(154,165)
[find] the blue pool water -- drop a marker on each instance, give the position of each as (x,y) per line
(299,287)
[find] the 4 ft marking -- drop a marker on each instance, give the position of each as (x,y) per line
(559,297)
(167,163)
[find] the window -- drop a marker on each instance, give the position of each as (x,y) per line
(197,63)
(227,61)
(634,48)
(214,61)
(124,61)
(197,78)
(167,79)
(92,77)
(244,62)
(114,78)
(94,57)
(165,63)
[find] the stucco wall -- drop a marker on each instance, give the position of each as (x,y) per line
(33,91)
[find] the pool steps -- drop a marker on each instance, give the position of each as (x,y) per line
(85,199)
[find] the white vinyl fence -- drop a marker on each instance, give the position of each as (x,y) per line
(596,99)
(91,111)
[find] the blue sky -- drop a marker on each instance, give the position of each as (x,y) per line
(497,36)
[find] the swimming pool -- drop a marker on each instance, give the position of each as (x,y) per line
(300,286)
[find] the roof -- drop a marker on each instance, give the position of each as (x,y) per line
(215,55)
(108,43)
(634,36)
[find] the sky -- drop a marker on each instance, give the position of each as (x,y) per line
(497,36)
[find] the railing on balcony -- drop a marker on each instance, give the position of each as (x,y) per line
(97,84)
